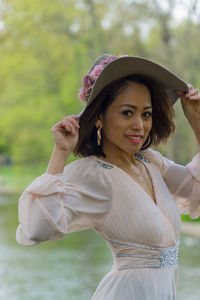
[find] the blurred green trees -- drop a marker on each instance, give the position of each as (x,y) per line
(46,47)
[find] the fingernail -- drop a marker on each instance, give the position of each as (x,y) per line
(74,117)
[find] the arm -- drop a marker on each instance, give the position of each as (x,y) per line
(55,205)
(183,182)
(60,202)
(65,135)
(36,219)
(191,108)
(57,161)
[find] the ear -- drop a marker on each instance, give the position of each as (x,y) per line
(99,122)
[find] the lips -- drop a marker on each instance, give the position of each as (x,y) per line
(135,138)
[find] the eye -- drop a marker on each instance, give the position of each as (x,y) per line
(147,114)
(128,113)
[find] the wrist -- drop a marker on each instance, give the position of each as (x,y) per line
(57,161)
(195,124)
(196,130)
(62,152)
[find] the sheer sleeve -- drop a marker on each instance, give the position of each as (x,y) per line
(183,182)
(54,205)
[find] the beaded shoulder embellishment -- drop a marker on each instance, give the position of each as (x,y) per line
(108,166)
(104,165)
(140,157)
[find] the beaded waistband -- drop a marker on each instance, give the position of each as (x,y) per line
(132,256)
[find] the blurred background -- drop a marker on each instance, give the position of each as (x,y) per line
(46,46)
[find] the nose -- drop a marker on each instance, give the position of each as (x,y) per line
(138,123)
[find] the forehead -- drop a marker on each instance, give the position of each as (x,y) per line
(133,93)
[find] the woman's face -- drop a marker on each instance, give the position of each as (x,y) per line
(128,120)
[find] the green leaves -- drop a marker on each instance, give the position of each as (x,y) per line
(47,46)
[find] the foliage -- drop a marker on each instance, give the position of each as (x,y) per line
(46,47)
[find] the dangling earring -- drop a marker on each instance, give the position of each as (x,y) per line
(147,142)
(149,139)
(99,136)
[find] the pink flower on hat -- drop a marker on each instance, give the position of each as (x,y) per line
(108,60)
(97,70)
(90,78)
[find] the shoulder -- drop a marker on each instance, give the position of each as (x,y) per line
(88,165)
(151,155)
(88,171)
(155,158)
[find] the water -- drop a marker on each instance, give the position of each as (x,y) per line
(72,267)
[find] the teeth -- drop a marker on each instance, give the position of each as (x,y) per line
(134,137)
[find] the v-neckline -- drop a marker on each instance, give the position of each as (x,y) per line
(128,176)
(141,188)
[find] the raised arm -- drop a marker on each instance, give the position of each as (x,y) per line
(191,108)
(65,135)
(60,202)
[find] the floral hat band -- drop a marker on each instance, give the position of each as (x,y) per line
(90,78)
(108,68)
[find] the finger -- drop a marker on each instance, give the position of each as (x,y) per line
(192,93)
(74,124)
(180,93)
(73,121)
(65,125)
(69,127)
(194,97)
(75,117)
(69,124)
(190,86)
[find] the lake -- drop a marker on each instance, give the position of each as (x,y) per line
(72,267)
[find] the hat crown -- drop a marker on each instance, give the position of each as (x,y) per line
(99,60)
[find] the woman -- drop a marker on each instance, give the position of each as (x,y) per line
(130,194)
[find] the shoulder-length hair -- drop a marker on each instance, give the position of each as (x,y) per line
(162,115)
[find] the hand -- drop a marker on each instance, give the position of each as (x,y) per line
(65,133)
(191,104)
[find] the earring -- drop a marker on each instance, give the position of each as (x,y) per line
(99,136)
(147,142)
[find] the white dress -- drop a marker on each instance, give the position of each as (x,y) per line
(143,235)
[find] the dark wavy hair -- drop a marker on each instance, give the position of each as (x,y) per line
(162,115)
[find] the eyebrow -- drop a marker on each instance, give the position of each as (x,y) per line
(135,107)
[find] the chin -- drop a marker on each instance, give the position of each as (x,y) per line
(133,150)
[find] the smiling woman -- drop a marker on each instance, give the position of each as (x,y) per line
(161,116)
(130,194)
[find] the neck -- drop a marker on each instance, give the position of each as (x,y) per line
(120,159)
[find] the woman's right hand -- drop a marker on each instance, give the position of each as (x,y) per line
(65,133)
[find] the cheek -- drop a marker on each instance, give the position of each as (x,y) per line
(149,125)
(112,123)
(113,127)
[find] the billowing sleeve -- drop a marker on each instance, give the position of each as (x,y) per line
(55,205)
(184,183)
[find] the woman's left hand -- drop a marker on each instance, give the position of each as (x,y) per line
(191,104)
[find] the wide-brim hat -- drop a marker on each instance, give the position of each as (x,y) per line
(124,66)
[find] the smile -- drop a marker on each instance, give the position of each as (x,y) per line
(134,138)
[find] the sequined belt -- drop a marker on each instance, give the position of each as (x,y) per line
(132,256)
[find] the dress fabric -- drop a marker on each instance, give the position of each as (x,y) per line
(93,194)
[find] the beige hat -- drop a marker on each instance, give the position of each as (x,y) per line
(108,68)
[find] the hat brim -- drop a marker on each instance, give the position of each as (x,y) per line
(133,65)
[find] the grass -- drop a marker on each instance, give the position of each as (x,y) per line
(18,177)
(186,218)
